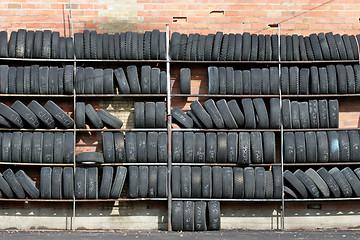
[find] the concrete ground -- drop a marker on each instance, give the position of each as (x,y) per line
(157,235)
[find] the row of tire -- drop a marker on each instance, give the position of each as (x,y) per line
(195,216)
(330,79)
(246,47)
(97,120)
(331,146)
(226,182)
(101,81)
(221,147)
(37,147)
(255,114)
(134,147)
(322,183)
(150,114)
(34,116)
(36,80)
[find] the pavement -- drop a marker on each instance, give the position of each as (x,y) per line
(157,235)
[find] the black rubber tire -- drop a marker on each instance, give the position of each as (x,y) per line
(80,183)
(214,113)
(68,79)
(185,79)
(286,114)
(34,79)
(155,80)
(80,80)
(259,183)
(311,147)
(268,48)
(143,181)
(254,47)
(153,181)
(163,82)
(99,46)
(211,147)
(221,147)
(319,182)
(68,183)
(182,118)
(269,147)
(56,183)
(92,185)
(118,184)
(322,146)
(182,46)
(109,120)
(249,113)
(196,120)
(122,81)
(12,44)
(108,147)
(189,222)
(265,81)
(152,142)
(256,147)
(343,184)
(145,79)
(244,154)
(231,47)
(283,48)
(261,113)
(315,44)
(139,113)
(78,45)
(12,80)
(314,113)
(354,146)
(222,80)
(62,117)
(53,80)
(296,47)
(236,112)
(295,115)
(354,46)
(334,52)
(333,113)
(20,43)
(295,183)
(177,215)
(200,112)
(25,147)
(289,147)
(232,147)
(133,78)
(289,48)
(334,146)
(224,47)
(238,47)
(187,177)
(344,144)
(246,82)
(48,147)
(16,139)
(206,182)
(199,148)
(323,81)
(162,46)
(275,48)
(69,48)
(178,146)
(68,147)
(155,43)
(274,113)
(26,114)
(189,54)
(304,81)
(249,183)
(175,182)
(150,113)
(304,115)
(330,181)
(36,147)
(246,46)
(214,216)
(162,182)
(300,147)
(350,76)
(341,47)
(308,183)
(6,147)
(208,47)
(11,115)
(217,46)
(238,183)
(284,81)
(162,147)
(5,188)
(341,78)
(98,81)
(294,80)
(130,146)
(230,82)
(93,44)
(4,44)
(106,181)
(89,157)
(174,45)
(26,79)
(353,180)
(80,115)
(309,49)
(217,182)
(119,144)
(323,114)
(213,79)
(93,117)
(19,80)
(45,182)
(255,74)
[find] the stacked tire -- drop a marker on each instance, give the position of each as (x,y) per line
(150,114)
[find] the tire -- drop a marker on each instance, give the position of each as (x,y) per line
(98,81)
(344,146)
(178,146)
(350,76)
(289,147)
(189,222)
(122,81)
(217,182)
(155,43)
(145,79)
(222,147)
(324,46)
(265,79)
(26,114)
(109,120)
(92,185)
(45,182)
(20,43)
(68,79)
(68,147)
(199,148)
(334,52)
(249,113)
(334,148)
(80,183)
(296,47)
(333,113)
(139,112)
(300,147)
(319,182)
(261,48)
(80,115)
(294,80)
(246,82)
(309,50)
(11,116)
(341,47)
(200,112)
(217,46)
(187,181)
(93,44)
(314,113)
(36,147)
(162,150)
(160,117)
(323,81)
(155,80)
(118,183)
(288,191)
(130,146)
(232,144)
(89,157)
(231,47)
(274,116)
(222,80)
(322,146)
(133,79)
(254,47)
(196,120)
(214,215)
(256,147)
(182,46)
(304,81)
(315,44)
(53,80)
(48,147)
(108,147)
(269,147)
(27,184)
(236,112)
(213,78)
(323,114)
(106,181)
(4,79)
(228,182)
(255,74)
(153,182)
(143,181)
(150,115)
(275,48)
(191,44)
(62,117)
(244,154)
(177,215)
(344,185)
(289,48)
(238,82)
(286,114)
(259,183)
(341,78)
(238,47)
(283,48)
(119,144)
(304,115)
(311,147)
(354,46)
(246,46)
(152,142)
(354,146)
(25,147)
(68,183)
(330,181)
(295,183)
(269,185)
(230,82)
(284,81)
(214,113)
(249,182)
(93,117)
(308,183)
(224,47)
(206,182)
(80,80)
(12,44)
(295,115)
(163,82)
(261,113)
(69,48)
(4,44)
(175,182)
(142,148)
(211,147)
(200,216)
(12,80)
(5,188)
(78,45)
(238,183)
(162,46)
(353,180)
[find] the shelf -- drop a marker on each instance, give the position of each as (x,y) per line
(143,95)
(321,95)
(322,199)
(123,164)
(37,60)
(320,164)
(123,130)
(224,96)
(35,130)
(223,130)
(35,95)
(227,199)
(34,200)
(266,62)
(320,129)
(119,61)
(121,200)
(228,164)
(37,164)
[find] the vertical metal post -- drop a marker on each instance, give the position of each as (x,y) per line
(282,139)
(169,122)
(74,112)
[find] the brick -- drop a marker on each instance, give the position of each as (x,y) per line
(14,6)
